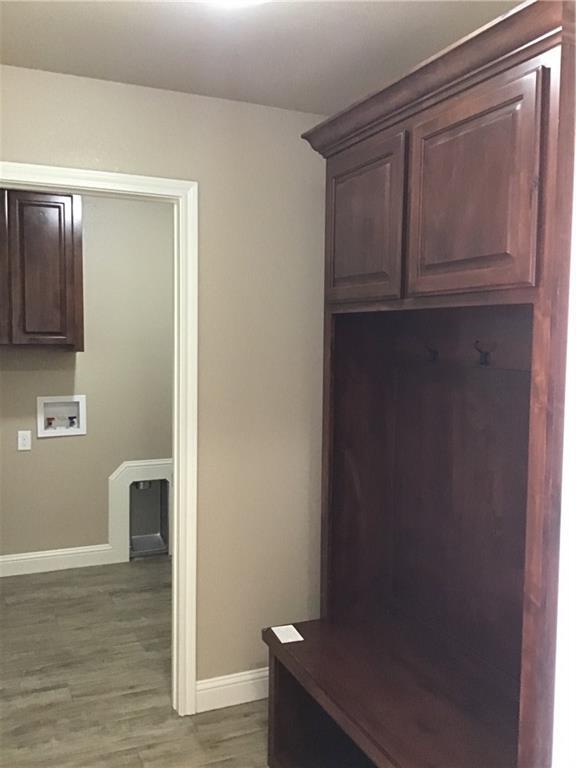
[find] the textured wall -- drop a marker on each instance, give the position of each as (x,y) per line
(261,262)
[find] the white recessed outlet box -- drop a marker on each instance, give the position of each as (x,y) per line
(61,416)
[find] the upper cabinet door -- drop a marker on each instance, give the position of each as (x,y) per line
(46,268)
(4,271)
(365,204)
(474,188)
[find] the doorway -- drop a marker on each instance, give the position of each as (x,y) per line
(182,195)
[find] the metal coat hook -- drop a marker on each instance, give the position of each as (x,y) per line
(433,353)
(484,353)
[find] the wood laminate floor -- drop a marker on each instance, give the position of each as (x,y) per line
(85,677)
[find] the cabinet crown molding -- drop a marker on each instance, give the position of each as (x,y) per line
(531,23)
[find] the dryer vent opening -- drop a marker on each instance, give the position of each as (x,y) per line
(149,518)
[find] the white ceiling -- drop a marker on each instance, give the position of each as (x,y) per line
(310,56)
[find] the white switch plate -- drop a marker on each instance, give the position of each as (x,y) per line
(24,440)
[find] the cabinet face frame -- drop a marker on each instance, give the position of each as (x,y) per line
(67,311)
(515,96)
(5,309)
(384,155)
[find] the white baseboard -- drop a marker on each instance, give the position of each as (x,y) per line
(229,690)
(57,559)
(117,550)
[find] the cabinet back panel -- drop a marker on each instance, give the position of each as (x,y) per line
(362,478)
(461,458)
(428,487)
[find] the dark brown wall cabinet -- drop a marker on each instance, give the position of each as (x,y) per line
(42,300)
(475,166)
(364,229)
(471,201)
(448,222)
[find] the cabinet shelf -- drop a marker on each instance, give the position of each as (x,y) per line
(401,701)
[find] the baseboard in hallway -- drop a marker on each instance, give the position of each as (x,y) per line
(58,559)
(230,690)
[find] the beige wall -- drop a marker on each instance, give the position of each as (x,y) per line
(261,241)
(56,495)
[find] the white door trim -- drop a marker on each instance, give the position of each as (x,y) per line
(184,196)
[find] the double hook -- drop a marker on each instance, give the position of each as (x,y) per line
(433,354)
(484,351)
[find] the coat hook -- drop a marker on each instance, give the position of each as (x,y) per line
(484,353)
(432,353)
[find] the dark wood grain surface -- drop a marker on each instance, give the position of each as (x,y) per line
(393,700)
(475,167)
(547,415)
(44,244)
(365,206)
(429,474)
(5,311)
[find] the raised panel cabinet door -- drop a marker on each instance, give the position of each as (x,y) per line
(4,271)
(46,268)
(475,165)
(365,204)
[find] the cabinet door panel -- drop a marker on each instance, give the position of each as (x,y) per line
(4,271)
(45,268)
(365,204)
(474,182)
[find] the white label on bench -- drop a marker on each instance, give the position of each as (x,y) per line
(287,634)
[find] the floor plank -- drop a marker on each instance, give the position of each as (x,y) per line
(85,677)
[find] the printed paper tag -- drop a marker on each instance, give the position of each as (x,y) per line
(287,634)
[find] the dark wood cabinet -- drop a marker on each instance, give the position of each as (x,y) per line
(443,415)
(472,198)
(365,203)
(42,244)
(5,309)
(475,170)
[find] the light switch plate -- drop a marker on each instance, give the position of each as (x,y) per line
(24,440)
